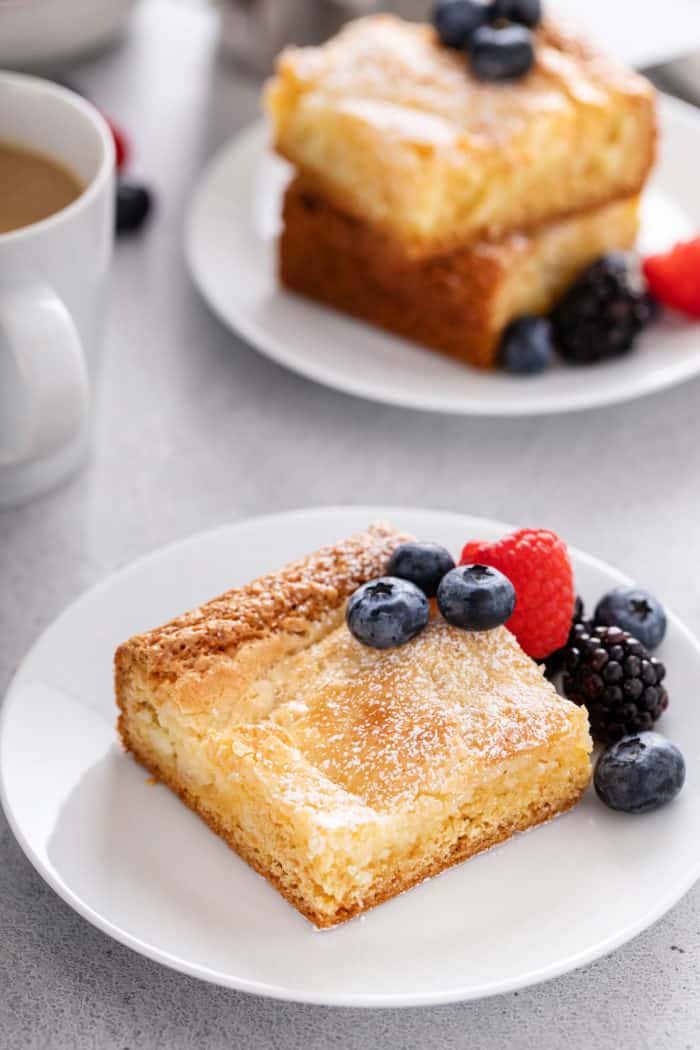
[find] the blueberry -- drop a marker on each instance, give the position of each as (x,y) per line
(387,612)
(501,52)
(133,206)
(639,773)
(476,597)
(525,12)
(456,20)
(422,563)
(635,611)
(527,347)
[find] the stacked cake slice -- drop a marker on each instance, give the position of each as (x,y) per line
(440,206)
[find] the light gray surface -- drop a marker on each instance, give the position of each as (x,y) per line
(194,429)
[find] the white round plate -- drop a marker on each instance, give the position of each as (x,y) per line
(131,859)
(231,237)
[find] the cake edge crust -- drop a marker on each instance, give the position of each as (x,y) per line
(305,591)
(457,303)
(461,852)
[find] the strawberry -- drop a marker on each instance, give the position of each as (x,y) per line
(674,277)
(537,563)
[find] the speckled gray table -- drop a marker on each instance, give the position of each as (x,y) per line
(193,429)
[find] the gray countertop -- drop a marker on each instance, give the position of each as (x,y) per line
(192,429)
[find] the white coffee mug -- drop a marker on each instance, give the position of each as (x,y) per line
(52,284)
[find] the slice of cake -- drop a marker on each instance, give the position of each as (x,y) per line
(458,302)
(392,128)
(345,774)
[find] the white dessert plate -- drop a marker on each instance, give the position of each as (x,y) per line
(130,858)
(231,234)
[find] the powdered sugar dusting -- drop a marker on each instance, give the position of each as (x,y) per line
(392,725)
(396,72)
(343,729)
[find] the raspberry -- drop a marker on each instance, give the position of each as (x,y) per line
(674,277)
(537,564)
(122,148)
(609,672)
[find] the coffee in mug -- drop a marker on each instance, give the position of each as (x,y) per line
(32,186)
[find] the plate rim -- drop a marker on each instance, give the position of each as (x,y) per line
(257,338)
(278,991)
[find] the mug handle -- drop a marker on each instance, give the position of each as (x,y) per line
(40,334)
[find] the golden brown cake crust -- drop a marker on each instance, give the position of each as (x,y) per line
(458,302)
(288,600)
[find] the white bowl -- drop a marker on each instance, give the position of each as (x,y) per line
(38,31)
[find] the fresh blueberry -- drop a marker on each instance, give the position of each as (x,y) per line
(525,12)
(422,563)
(501,52)
(387,612)
(639,773)
(476,597)
(527,347)
(456,20)
(133,206)
(635,611)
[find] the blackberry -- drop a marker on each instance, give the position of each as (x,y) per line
(610,672)
(554,663)
(602,314)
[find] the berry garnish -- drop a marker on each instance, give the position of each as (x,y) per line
(422,563)
(537,563)
(612,674)
(456,20)
(554,663)
(387,612)
(639,773)
(602,314)
(501,52)
(525,12)
(133,206)
(121,144)
(476,597)
(526,347)
(674,277)
(635,611)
